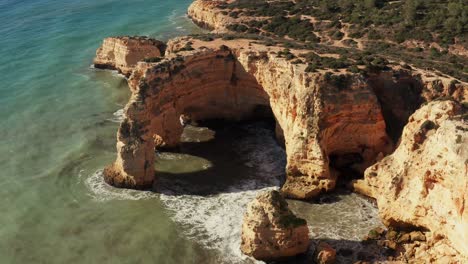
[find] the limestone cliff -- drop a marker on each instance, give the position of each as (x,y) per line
(331,122)
(123,53)
(222,80)
(271,231)
(424,183)
(204,14)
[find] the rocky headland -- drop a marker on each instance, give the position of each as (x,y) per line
(271,231)
(123,53)
(402,128)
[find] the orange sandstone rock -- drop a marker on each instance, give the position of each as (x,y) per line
(424,183)
(123,53)
(271,231)
(325,254)
(317,118)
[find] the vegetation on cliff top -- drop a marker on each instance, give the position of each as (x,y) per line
(418,32)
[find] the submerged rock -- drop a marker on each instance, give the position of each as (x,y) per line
(325,254)
(271,231)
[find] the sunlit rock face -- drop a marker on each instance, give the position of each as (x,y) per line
(317,117)
(123,53)
(271,231)
(204,14)
(424,183)
(402,92)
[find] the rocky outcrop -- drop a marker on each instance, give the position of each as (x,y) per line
(219,79)
(424,183)
(413,246)
(401,92)
(271,231)
(325,254)
(326,125)
(123,53)
(206,14)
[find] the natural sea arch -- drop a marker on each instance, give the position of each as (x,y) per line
(316,121)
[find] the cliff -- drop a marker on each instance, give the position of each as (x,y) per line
(334,117)
(317,118)
(203,13)
(123,53)
(375,27)
(271,231)
(424,183)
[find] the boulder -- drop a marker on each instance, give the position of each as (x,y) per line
(325,254)
(271,231)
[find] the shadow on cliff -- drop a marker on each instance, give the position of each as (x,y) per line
(347,251)
(232,168)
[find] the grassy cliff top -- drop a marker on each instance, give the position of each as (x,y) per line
(430,34)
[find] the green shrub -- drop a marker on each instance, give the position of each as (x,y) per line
(153,59)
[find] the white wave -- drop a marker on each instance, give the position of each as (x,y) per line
(118,74)
(101,191)
(119,116)
(215,221)
(114,73)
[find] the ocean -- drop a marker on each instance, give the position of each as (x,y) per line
(58,121)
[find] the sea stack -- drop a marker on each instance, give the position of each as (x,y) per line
(123,53)
(271,231)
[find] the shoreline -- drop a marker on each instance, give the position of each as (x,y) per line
(370,144)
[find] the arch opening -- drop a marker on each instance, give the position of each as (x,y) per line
(314,120)
(207,90)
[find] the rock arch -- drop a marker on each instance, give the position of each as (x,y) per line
(317,118)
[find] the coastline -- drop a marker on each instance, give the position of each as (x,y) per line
(305,179)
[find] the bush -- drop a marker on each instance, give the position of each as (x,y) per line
(153,59)
(237,27)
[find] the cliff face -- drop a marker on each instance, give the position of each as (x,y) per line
(123,53)
(324,125)
(424,183)
(328,125)
(402,92)
(271,231)
(317,118)
(203,13)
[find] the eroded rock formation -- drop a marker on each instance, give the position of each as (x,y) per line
(203,14)
(424,183)
(123,53)
(221,80)
(325,254)
(271,231)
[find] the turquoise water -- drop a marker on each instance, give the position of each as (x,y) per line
(57,128)
(58,120)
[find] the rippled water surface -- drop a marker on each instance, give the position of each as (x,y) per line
(58,119)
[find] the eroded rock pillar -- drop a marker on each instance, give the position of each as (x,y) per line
(134,166)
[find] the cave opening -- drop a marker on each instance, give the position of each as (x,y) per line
(214,90)
(347,167)
(222,155)
(399,97)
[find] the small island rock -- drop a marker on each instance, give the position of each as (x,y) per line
(271,231)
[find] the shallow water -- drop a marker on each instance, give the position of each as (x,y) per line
(58,119)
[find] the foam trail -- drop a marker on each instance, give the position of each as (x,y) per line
(101,191)
(215,221)
(119,116)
